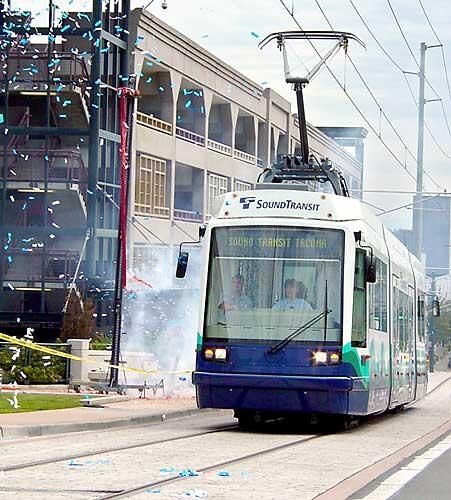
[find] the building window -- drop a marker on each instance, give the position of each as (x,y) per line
(151,186)
(241,186)
(217,185)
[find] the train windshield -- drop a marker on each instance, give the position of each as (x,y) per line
(265,282)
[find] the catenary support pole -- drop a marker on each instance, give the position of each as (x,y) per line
(418,210)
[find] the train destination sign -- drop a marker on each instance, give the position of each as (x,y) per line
(289,242)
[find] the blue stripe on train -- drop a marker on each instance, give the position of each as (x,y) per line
(253,379)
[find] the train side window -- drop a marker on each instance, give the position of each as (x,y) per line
(421,318)
(378,299)
(358,336)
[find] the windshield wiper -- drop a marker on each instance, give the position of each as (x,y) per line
(280,345)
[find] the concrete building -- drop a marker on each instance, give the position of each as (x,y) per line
(200,129)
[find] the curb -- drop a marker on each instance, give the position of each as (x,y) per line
(23,431)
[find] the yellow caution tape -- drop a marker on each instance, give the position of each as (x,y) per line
(28,344)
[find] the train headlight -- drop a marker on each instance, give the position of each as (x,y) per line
(215,354)
(320,358)
(209,353)
(334,358)
(220,354)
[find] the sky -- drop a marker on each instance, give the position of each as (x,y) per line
(232,30)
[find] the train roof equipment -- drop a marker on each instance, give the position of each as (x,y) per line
(306,167)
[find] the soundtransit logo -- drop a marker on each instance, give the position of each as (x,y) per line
(246,202)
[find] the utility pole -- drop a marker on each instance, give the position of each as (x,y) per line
(417,224)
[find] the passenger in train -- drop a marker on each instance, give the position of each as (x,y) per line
(291,300)
(236,300)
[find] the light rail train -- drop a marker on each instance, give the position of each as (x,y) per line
(341,344)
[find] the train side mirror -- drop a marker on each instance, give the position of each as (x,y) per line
(370,270)
(435,307)
(182,264)
(202,231)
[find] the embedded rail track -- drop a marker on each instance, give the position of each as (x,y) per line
(175,478)
(101,451)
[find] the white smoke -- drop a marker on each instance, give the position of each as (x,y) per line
(161,320)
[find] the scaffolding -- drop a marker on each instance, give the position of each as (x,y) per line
(60,140)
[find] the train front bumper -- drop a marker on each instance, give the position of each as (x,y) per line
(273,393)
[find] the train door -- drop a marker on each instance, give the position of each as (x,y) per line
(410,344)
(403,342)
(395,358)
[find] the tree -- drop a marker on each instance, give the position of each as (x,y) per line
(78,320)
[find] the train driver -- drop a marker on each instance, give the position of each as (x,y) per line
(292,299)
(236,300)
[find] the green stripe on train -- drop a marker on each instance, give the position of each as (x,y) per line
(350,355)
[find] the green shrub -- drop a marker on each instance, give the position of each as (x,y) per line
(32,365)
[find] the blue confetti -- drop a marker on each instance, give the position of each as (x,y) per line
(188,104)
(255,35)
(224,473)
(2,118)
(167,470)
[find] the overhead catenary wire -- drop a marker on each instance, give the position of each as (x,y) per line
(427,126)
(381,110)
(356,107)
(397,65)
(365,83)
(366,120)
(441,46)
(418,64)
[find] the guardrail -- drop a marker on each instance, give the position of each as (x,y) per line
(27,165)
(219,147)
(154,123)
(189,136)
(187,215)
(31,68)
(241,155)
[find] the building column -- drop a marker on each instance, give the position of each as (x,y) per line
(255,139)
(234,111)
(208,99)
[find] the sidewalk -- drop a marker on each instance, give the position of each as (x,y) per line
(125,413)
